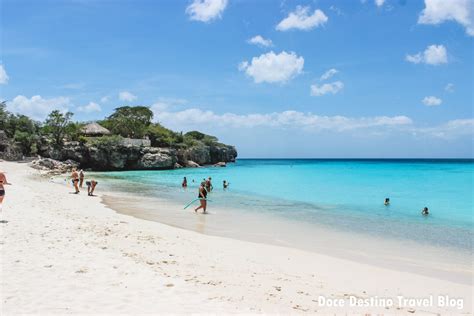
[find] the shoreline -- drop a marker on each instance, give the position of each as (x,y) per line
(400,255)
(65,253)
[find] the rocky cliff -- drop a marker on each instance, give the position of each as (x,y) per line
(120,156)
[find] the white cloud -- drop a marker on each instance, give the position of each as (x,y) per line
(433,55)
(206,10)
(3,75)
(439,11)
(259,40)
(301,20)
(333,87)
(105,99)
(271,67)
(379,3)
(36,107)
(89,108)
(285,119)
(431,101)
(328,74)
(127,96)
(450,129)
(449,87)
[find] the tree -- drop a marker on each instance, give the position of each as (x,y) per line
(129,121)
(57,125)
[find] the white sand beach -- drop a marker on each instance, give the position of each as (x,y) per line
(69,254)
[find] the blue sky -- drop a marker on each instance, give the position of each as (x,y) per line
(399,73)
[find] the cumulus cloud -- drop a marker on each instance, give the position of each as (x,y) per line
(433,55)
(260,41)
(271,67)
(37,107)
(302,19)
(206,10)
(127,96)
(431,101)
(328,74)
(3,75)
(449,87)
(379,3)
(333,87)
(285,119)
(440,11)
(89,108)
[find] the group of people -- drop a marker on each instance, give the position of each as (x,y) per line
(3,182)
(424,212)
(204,188)
(77,179)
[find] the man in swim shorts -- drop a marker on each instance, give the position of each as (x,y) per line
(3,181)
(75,180)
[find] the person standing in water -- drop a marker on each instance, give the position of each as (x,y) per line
(81,178)
(3,181)
(225,184)
(185,183)
(209,184)
(202,195)
(75,180)
(387,202)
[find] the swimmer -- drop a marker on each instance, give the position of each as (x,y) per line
(425,211)
(225,184)
(387,201)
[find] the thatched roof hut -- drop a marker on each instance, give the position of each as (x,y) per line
(94,129)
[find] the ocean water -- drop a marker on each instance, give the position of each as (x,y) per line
(343,195)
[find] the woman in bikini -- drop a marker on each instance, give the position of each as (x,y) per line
(3,181)
(202,195)
(75,180)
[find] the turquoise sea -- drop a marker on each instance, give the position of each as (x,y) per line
(344,195)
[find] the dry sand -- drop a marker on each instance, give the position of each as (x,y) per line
(63,253)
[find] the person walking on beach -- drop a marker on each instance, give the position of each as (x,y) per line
(185,183)
(75,180)
(3,181)
(209,184)
(81,178)
(202,195)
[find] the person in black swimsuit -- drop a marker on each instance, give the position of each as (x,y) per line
(202,196)
(3,180)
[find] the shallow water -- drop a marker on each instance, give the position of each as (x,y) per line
(345,195)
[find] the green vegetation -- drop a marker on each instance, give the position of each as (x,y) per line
(126,121)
